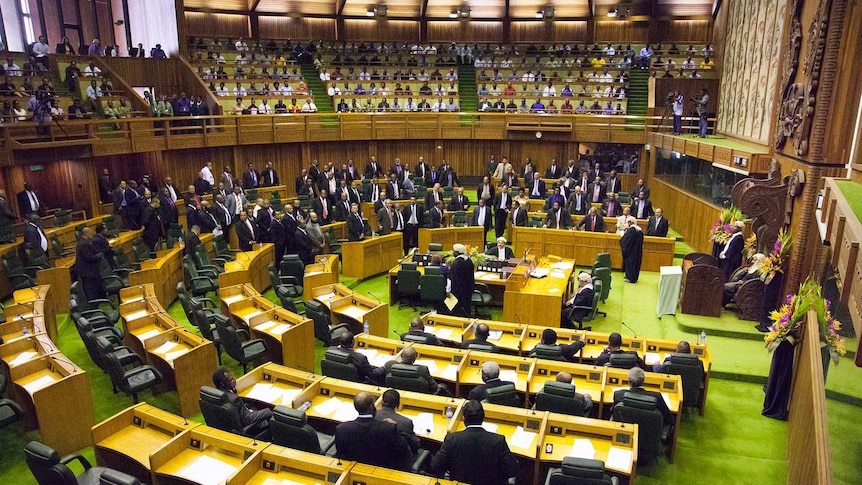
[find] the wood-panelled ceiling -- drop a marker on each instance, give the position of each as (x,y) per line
(479,9)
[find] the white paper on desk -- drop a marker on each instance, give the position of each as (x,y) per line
(280,329)
(251,314)
(666,398)
(327,407)
(22,357)
(651,358)
(136,315)
(260,392)
(370,353)
(558,275)
(583,448)
(423,423)
(345,412)
(279,481)
(562,266)
(490,427)
(263,327)
(450,373)
(148,334)
(39,383)
(509,375)
(164,348)
(325,297)
(430,364)
(554,290)
(231,299)
(287,395)
(619,459)
(490,276)
(207,471)
(495,334)
(171,356)
(522,439)
(444,334)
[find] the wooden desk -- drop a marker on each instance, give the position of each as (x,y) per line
(59,276)
(371,256)
(584,246)
(20,351)
(379,350)
(278,465)
(202,455)
(446,327)
(512,368)
(428,413)
(470,236)
(139,331)
(243,311)
(564,336)
(596,439)
(163,272)
(375,475)
(495,281)
(276,384)
(332,400)
(444,363)
(506,336)
(138,292)
(135,309)
(42,303)
(187,362)
(670,386)
(538,301)
(588,379)
(12,329)
(354,309)
(233,294)
(250,267)
(657,350)
(597,341)
(323,272)
(55,395)
(289,337)
(126,440)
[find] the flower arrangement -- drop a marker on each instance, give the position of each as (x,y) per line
(750,247)
(478,257)
(787,320)
(720,232)
(774,262)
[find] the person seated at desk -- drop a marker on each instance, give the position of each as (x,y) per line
(585,399)
(437,260)
(636,381)
(417,327)
(501,251)
(592,222)
(475,455)
(683,347)
(753,272)
(611,206)
(387,412)
(615,343)
(490,378)
(223,380)
(408,357)
(360,361)
(549,342)
(370,441)
(480,336)
(582,298)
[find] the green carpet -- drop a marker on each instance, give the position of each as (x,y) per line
(852,191)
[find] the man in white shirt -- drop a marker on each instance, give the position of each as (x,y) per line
(410,105)
(549,90)
(439,106)
(528,77)
(452,106)
(92,70)
(221,90)
(241,45)
(239,91)
(207,173)
(309,106)
(41,49)
(11,68)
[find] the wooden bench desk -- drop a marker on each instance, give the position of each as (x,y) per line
(187,362)
(289,337)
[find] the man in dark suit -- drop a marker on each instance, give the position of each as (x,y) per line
(433,195)
(446,176)
(371,193)
(387,412)
(34,236)
(246,232)
(314,172)
(222,215)
(412,214)
(29,202)
(475,455)
(193,208)
(192,241)
(459,201)
(596,191)
(636,381)
(250,178)
(486,190)
(501,251)
(369,441)
(385,218)
(480,336)
(582,298)
(553,171)
(641,187)
(461,280)
(421,170)
(103,246)
(409,358)
(269,177)
(502,205)
(417,328)
(200,184)
(592,222)
(730,257)
(106,186)
(536,187)
(490,379)
(393,188)
(7,217)
(558,217)
(597,172)
(611,206)
(87,259)
(657,225)
(168,209)
(355,224)
(482,217)
(615,344)
(278,234)
(373,169)
(398,170)
(299,183)
(613,183)
(436,216)
(290,224)
(208,221)
(342,207)
(518,215)
(152,222)
(642,207)
(323,207)
(360,361)
(220,190)
(577,203)
(224,381)
(567,351)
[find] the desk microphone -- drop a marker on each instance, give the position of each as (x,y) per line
(375,297)
(632,330)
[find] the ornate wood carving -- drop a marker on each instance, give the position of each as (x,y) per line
(786,122)
(703,290)
(749,299)
(764,201)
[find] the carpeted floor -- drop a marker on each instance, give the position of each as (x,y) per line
(732,436)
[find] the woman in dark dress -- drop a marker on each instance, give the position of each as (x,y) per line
(632,243)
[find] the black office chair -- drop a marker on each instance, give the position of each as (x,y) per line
(10,412)
(560,397)
(199,319)
(580,471)
(604,275)
(505,395)
(432,287)
(132,381)
(641,409)
(623,360)
(191,303)
(114,477)
(49,469)
(435,247)
(291,265)
(110,345)
(690,369)
(237,345)
(407,286)
(286,288)
(90,308)
(200,282)
(290,428)
(548,352)
(416,339)
(591,311)
(406,378)
(323,328)
(481,347)
(480,298)
(338,364)
(220,413)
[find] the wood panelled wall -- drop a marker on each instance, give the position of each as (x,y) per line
(296,28)
(472,31)
(217,24)
(842,114)
(688,215)
(167,76)
(683,31)
(688,88)
(539,30)
(93,25)
(70,184)
(621,31)
(380,29)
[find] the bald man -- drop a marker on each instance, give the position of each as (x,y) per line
(369,441)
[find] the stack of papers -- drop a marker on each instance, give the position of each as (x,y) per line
(22,357)
(583,448)
(522,439)
(495,334)
(39,383)
(562,266)
(619,459)
(423,423)
(325,297)
(287,396)
(263,327)
(164,348)
(490,427)
(540,272)
(430,364)
(558,274)
(443,333)
(263,392)
(345,412)
(231,299)
(280,329)
(148,334)
(509,375)
(207,471)
(450,373)
(135,315)
(327,407)
(651,358)
(170,356)
(375,357)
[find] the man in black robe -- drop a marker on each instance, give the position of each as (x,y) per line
(632,244)
(461,279)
